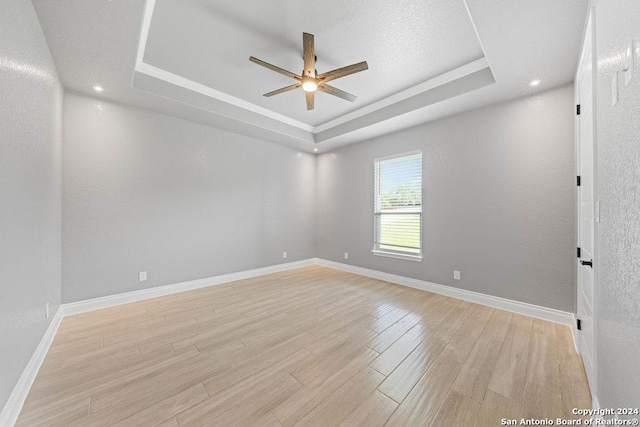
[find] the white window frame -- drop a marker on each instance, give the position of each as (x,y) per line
(386,252)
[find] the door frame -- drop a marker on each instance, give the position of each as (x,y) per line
(589,35)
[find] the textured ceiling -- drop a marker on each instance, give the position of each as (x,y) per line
(404,43)
(427,59)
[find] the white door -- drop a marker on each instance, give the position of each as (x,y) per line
(586,207)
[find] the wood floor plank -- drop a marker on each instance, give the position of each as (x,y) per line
(421,405)
(543,366)
(131,399)
(166,408)
(310,346)
(539,402)
(544,328)
(254,385)
(453,321)
(256,364)
(398,351)
(457,410)
(508,377)
(444,310)
(251,411)
(311,395)
(349,335)
(496,407)
(400,382)
(337,407)
(374,411)
(65,414)
(49,399)
(171,422)
(475,375)
(326,364)
(268,420)
(575,394)
(390,335)
(465,339)
(382,323)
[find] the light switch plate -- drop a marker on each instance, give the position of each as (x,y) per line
(456,275)
(629,63)
(142,276)
(614,90)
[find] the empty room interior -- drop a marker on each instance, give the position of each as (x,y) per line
(338,213)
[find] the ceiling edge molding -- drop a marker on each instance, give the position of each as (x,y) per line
(223,115)
(158,73)
(442,79)
(176,80)
(475,80)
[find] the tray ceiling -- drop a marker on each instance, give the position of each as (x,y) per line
(405,44)
(427,59)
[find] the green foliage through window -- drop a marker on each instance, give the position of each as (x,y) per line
(398,204)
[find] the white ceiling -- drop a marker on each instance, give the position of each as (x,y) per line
(427,59)
(404,43)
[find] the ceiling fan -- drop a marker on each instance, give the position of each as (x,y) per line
(310,80)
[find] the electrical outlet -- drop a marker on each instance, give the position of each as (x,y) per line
(284,254)
(142,276)
(456,275)
(346,255)
(47,313)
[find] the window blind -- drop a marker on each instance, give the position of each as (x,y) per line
(398,204)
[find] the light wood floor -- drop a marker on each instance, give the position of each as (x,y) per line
(311,346)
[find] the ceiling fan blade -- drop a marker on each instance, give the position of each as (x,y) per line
(309,55)
(274,68)
(310,99)
(336,92)
(344,71)
(284,89)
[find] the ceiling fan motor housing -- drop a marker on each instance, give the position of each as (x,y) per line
(309,79)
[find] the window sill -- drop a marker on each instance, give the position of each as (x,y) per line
(416,258)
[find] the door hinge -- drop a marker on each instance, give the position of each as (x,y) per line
(578,324)
(578,180)
(578,252)
(587,263)
(578,110)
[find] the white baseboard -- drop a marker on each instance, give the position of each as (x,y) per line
(526,309)
(143,294)
(12,409)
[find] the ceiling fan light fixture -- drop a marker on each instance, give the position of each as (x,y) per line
(309,79)
(309,86)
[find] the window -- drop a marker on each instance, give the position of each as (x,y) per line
(398,206)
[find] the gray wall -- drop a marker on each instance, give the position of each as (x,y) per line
(30,144)
(617,262)
(498,195)
(148,192)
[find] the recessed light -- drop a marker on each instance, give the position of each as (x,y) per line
(535,83)
(98,88)
(315,149)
